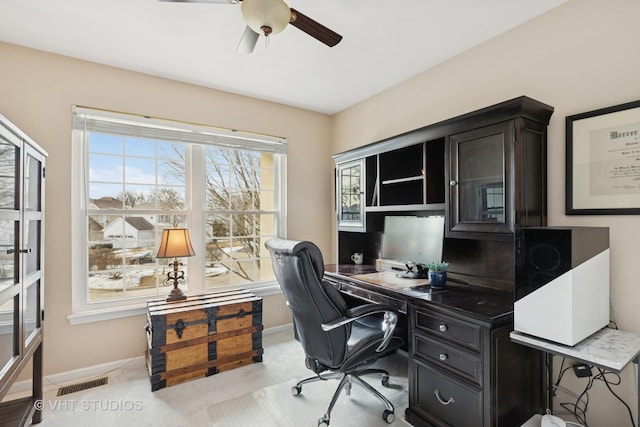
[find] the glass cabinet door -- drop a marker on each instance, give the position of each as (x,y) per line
(350,195)
(9,254)
(9,213)
(22,166)
(480,181)
(31,248)
(32,221)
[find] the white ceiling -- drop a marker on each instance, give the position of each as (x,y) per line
(385,42)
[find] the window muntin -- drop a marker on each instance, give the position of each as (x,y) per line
(228,196)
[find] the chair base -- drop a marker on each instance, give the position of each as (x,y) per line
(346,381)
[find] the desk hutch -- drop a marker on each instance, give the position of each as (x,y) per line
(485,172)
(22,167)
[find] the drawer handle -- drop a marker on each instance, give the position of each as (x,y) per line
(443,327)
(441,400)
(443,356)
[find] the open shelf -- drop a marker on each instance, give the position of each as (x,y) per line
(411,176)
(401,180)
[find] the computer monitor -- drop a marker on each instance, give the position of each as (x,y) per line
(416,239)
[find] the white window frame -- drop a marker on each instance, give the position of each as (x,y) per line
(84,311)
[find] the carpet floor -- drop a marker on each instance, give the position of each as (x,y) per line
(254,395)
(276,406)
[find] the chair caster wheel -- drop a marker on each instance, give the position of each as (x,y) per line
(323,422)
(385,380)
(296,390)
(388,416)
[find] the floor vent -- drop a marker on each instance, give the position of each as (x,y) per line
(82,386)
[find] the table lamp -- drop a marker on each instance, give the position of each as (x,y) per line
(175,244)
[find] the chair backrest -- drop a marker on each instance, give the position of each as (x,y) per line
(299,269)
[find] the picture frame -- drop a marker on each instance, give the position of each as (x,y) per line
(603,161)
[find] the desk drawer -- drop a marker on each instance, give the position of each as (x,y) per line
(371,296)
(457,360)
(449,328)
(445,401)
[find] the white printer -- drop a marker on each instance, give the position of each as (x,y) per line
(561,282)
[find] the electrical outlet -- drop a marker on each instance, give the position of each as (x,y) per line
(582,370)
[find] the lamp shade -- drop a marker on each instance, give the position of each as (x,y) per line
(266,16)
(175,243)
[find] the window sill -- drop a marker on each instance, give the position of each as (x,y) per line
(101,314)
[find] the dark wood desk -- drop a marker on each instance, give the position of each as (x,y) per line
(486,305)
(463,368)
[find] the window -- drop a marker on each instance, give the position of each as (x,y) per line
(135,176)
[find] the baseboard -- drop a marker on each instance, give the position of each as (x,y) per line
(76,375)
(277,329)
(83,374)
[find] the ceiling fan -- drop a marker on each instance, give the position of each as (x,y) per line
(269,17)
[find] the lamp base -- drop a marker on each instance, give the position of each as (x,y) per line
(176,295)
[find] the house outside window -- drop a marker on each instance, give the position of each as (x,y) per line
(136,176)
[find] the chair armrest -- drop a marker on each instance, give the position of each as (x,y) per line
(367,309)
(388,323)
(358,312)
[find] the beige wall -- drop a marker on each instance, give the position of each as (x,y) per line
(581,56)
(37,91)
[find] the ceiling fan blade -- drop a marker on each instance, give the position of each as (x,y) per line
(314,29)
(201,1)
(247,41)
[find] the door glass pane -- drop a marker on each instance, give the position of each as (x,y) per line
(31,309)
(7,331)
(7,254)
(31,254)
(350,192)
(32,184)
(481,180)
(7,175)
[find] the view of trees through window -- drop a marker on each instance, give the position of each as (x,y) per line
(137,187)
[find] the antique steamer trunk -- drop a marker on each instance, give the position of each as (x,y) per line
(202,335)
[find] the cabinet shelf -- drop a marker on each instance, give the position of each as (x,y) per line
(401,180)
(407,208)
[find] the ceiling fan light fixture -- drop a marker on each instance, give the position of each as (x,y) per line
(266,16)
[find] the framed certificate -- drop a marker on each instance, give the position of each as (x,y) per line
(603,161)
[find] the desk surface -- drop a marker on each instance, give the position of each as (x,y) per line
(610,349)
(484,304)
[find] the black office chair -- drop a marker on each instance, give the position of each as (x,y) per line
(338,341)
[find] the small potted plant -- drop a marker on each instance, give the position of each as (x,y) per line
(437,273)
